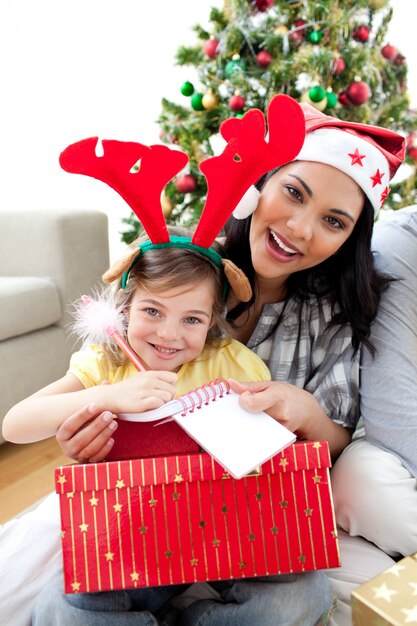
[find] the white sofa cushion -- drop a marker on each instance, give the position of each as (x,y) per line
(27,303)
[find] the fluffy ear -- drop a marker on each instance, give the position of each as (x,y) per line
(118,268)
(238,281)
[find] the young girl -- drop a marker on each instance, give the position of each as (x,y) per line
(173,300)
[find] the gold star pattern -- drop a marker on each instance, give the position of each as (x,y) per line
(383,592)
(411,615)
(134,576)
(251,537)
(193,562)
(93,501)
(75,586)
(83,527)
(242,564)
(168,554)
(283,462)
(62,479)
(316,478)
(317,445)
(302,558)
(225,509)
(109,556)
(259,496)
(176,495)
(283,504)
(216,543)
(395,569)
(178,478)
(308,512)
(117,507)
(143,530)
(70,494)
(202,523)
(274,530)
(152,502)
(120,483)
(356,157)
(225,476)
(334,533)
(63,534)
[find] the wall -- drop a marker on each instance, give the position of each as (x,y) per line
(70,70)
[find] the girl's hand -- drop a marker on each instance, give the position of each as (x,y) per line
(296,409)
(142,392)
(86,436)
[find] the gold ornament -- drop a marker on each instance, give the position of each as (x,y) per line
(166,204)
(210,101)
(281,30)
(320,106)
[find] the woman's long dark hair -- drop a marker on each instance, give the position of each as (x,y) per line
(349,277)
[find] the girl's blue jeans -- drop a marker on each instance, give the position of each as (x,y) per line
(286,600)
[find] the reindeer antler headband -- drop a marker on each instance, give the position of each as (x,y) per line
(139,173)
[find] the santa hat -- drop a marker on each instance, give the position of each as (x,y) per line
(370,155)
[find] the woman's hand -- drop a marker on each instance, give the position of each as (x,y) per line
(86,436)
(295,408)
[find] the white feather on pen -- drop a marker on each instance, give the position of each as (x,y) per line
(95,316)
(101,321)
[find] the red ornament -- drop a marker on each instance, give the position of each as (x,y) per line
(236,102)
(297,35)
(210,48)
(389,52)
(361,33)
(343,99)
(338,66)
(411,143)
(185,183)
(263,5)
(263,58)
(358,92)
(399,59)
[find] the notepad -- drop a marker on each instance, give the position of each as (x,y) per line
(239,440)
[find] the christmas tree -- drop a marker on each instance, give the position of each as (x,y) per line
(332,54)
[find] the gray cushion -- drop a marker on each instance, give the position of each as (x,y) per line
(27,303)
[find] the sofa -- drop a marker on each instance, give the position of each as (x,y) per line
(48,259)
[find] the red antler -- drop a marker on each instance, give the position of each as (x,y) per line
(246,158)
(141,189)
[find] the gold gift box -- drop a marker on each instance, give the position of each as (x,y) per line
(389,599)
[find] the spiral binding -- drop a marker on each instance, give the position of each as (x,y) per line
(217,386)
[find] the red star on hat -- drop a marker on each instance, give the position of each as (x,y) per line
(377,178)
(385,194)
(357,157)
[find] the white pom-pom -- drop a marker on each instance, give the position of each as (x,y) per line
(96,318)
(247,204)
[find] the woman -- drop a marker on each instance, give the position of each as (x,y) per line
(306,250)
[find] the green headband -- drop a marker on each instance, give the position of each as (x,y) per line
(175,242)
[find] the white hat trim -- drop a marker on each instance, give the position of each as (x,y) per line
(353,155)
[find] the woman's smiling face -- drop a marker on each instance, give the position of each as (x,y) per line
(305,214)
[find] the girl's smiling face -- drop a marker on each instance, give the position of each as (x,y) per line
(305,214)
(170,328)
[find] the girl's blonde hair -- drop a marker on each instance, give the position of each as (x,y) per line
(164,269)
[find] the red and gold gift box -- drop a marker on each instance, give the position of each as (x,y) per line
(389,599)
(182,519)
